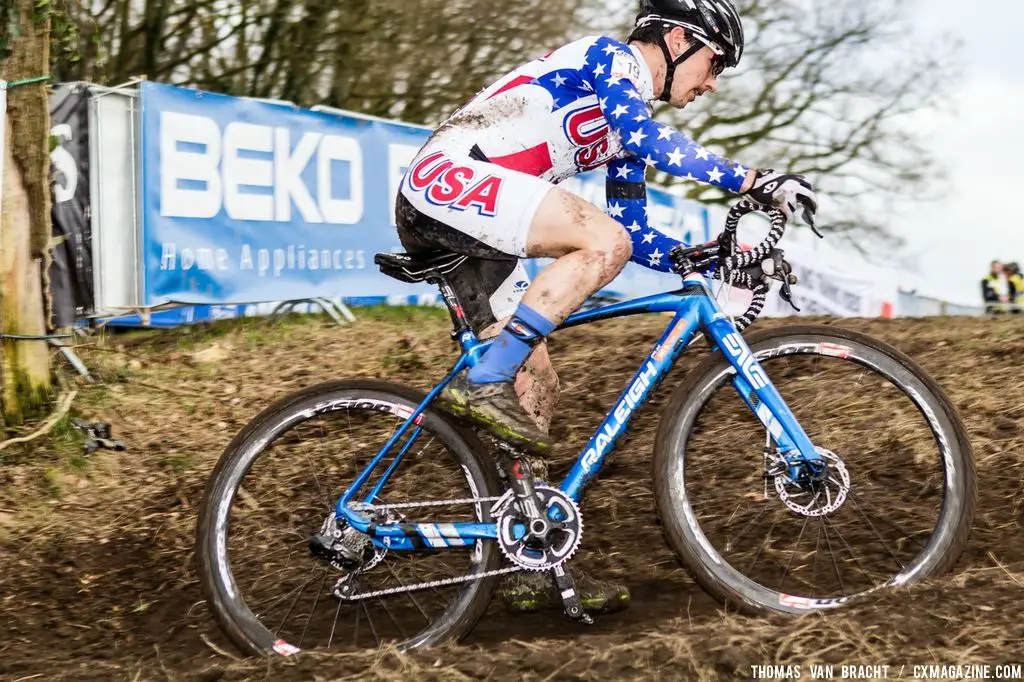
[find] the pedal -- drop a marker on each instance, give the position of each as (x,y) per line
(571,602)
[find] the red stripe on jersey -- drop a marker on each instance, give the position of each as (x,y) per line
(515,82)
(534,161)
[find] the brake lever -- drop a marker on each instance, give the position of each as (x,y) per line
(776,267)
(786,293)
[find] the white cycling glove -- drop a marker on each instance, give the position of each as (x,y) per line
(786,191)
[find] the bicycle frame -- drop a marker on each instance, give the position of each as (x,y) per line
(695,310)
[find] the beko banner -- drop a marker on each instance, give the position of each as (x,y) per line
(249,201)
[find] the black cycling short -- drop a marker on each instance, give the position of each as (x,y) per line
(488,284)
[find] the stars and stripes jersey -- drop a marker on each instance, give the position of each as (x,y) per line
(584,106)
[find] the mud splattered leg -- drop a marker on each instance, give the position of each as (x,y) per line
(589,247)
(536,383)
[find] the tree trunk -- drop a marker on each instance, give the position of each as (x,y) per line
(25,218)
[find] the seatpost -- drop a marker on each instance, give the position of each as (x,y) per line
(459,322)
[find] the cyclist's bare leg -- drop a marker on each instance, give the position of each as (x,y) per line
(590,250)
(589,247)
(537,387)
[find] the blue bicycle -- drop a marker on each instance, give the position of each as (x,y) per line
(355,513)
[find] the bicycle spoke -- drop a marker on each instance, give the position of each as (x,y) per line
(760,549)
(410,594)
(817,548)
(297,596)
(312,610)
(369,621)
(832,554)
(729,543)
(895,526)
(793,554)
(387,611)
(728,521)
(848,548)
(316,480)
(334,624)
(355,634)
(877,534)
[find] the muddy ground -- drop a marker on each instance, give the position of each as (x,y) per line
(99,582)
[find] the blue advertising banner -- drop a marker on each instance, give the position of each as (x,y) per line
(246,201)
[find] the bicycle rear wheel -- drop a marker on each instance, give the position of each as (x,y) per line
(275,486)
(896,507)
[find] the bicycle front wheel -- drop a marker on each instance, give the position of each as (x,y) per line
(275,487)
(895,507)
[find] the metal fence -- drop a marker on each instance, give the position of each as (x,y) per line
(910,304)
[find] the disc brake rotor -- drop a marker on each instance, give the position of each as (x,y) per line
(822,495)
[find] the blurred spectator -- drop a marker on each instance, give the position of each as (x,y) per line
(995,289)
(1015,287)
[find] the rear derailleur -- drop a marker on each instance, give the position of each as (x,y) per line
(345,548)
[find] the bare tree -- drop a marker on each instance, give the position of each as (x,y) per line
(825,86)
(827,89)
(415,60)
(24,211)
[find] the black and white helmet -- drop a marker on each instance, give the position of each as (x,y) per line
(714,23)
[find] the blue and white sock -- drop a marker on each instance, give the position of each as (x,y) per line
(509,351)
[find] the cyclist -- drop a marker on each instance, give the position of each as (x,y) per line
(484,185)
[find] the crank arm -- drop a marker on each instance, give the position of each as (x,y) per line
(570,597)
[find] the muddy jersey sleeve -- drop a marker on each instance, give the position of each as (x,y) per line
(614,73)
(627,203)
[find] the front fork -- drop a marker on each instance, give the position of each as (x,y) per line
(764,400)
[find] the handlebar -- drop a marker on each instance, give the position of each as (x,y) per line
(753,269)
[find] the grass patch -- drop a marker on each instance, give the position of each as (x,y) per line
(54,482)
(179,462)
(263,331)
(79,464)
(403,313)
(67,440)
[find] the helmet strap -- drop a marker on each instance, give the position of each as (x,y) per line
(670,64)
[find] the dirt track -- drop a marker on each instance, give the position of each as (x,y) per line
(99,576)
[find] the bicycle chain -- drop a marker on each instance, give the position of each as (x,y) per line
(443,582)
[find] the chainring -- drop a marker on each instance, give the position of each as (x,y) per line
(560,541)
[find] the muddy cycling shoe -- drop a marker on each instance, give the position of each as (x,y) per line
(494,407)
(532,591)
(540,469)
